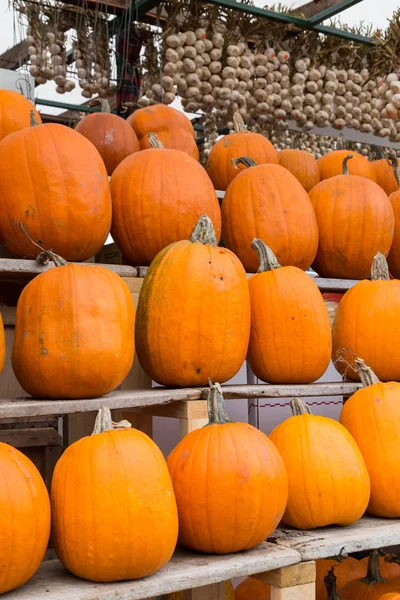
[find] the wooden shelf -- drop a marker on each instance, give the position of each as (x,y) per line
(11,268)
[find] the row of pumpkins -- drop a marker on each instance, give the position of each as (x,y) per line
(118,508)
(54,182)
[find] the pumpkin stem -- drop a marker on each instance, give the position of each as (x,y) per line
(299,407)
(217,414)
(32,119)
(154,141)
(296,139)
(379,269)
(204,231)
(45,255)
(365,373)
(103,103)
(394,163)
(104,422)
(267,258)
(243,160)
(238,123)
(377,151)
(330,584)
(345,169)
(374,572)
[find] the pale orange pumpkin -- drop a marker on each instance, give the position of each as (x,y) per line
(330,165)
(301,164)
(15,112)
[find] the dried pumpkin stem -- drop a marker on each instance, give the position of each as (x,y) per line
(103,103)
(379,269)
(104,422)
(238,123)
(204,232)
(44,255)
(374,572)
(366,374)
(299,407)
(377,151)
(345,168)
(392,558)
(394,163)
(267,258)
(243,160)
(295,143)
(154,141)
(217,414)
(32,119)
(330,584)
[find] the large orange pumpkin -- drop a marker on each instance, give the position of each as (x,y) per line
(372,416)
(171,126)
(24,518)
(158,196)
(371,587)
(253,589)
(241,143)
(260,203)
(345,570)
(229,593)
(362,325)
(330,165)
(15,112)
(193,316)
(332,475)
(384,175)
(223,475)
(54,181)
(114,513)
(355,221)
(2,345)
(394,254)
(302,165)
(74,332)
(111,135)
(297,349)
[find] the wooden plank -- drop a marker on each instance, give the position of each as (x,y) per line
(15,267)
(207,592)
(195,409)
(185,570)
(134,284)
(189,425)
(232,392)
(305,591)
(28,438)
(15,56)
(339,286)
(289,576)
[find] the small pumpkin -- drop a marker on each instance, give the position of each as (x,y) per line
(362,325)
(193,315)
(384,175)
(113,137)
(240,143)
(172,127)
(345,569)
(15,112)
(297,349)
(301,164)
(253,589)
(372,416)
(24,518)
(330,165)
(158,196)
(259,204)
(2,344)
(74,332)
(332,476)
(394,254)
(54,181)
(114,513)
(229,593)
(219,489)
(371,587)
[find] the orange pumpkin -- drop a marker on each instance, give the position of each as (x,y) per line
(384,175)
(330,165)
(193,316)
(171,126)
(345,570)
(362,325)
(241,143)
(297,349)
(355,221)
(253,589)
(302,165)
(54,181)
(74,335)
(229,593)
(114,513)
(2,344)
(223,475)
(389,570)
(111,135)
(391,596)
(24,518)
(394,254)
(158,196)
(372,416)
(371,587)
(332,476)
(259,204)
(15,112)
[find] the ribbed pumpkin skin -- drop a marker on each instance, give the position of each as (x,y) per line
(114,513)
(2,345)
(330,165)
(372,416)
(111,135)
(74,333)
(355,221)
(325,466)
(252,589)
(158,196)
(246,143)
(393,258)
(222,476)
(384,175)
(388,570)
(302,165)
(54,181)
(15,112)
(171,126)
(193,316)
(362,324)
(268,202)
(358,590)
(345,571)
(229,593)
(24,518)
(297,349)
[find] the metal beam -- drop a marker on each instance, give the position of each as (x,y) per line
(56,104)
(332,11)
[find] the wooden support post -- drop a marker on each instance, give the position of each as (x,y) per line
(296,582)
(188,425)
(214,591)
(191,414)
